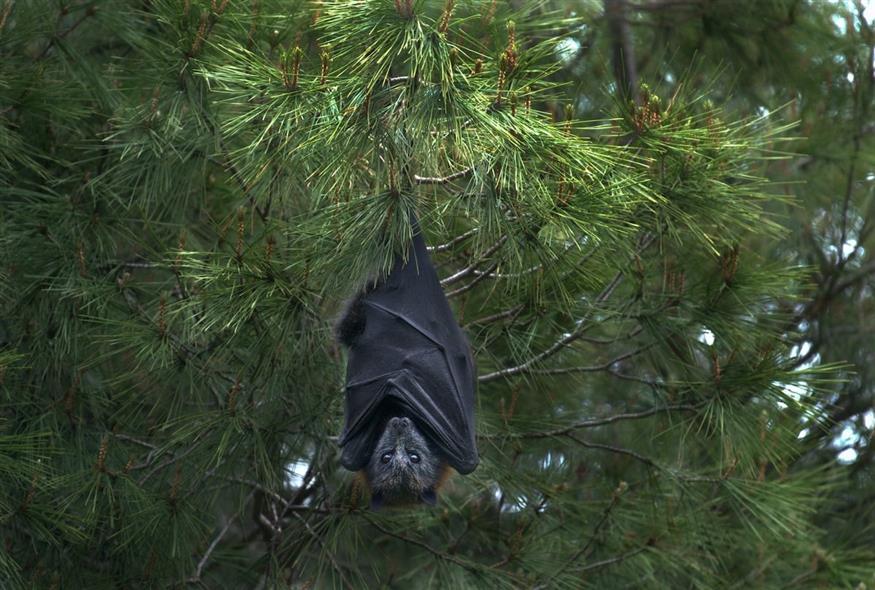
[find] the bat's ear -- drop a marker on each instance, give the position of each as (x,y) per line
(429,496)
(376,501)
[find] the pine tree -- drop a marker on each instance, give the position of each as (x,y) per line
(805,62)
(190,191)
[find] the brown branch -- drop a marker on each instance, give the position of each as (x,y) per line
(860,274)
(613,373)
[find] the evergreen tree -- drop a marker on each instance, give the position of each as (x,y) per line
(191,189)
(805,62)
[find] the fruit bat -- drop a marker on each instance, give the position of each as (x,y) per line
(408,357)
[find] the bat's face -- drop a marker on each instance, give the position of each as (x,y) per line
(403,466)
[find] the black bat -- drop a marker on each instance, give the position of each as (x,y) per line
(407,357)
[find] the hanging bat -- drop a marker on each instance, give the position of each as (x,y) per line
(410,384)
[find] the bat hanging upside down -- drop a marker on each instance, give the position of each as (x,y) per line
(409,386)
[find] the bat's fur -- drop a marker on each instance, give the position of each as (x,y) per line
(351,324)
(413,470)
(352,321)
(403,467)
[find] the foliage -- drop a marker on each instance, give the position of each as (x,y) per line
(191,189)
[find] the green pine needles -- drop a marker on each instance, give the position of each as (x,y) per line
(190,189)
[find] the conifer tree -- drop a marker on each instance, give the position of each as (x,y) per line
(191,189)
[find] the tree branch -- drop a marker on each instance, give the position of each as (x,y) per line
(480,276)
(617,450)
(593,422)
(89,11)
(443,179)
(581,327)
(196,578)
(454,241)
(512,312)
(623,51)
(468,565)
(469,270)
(591,368)
(613,560)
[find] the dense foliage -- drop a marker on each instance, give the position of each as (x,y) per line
(671,331)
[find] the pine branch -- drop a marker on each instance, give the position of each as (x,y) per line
(325,550)
(463,563)
(90,10)
(594,422)
(593,368)
(613,449)
(470,285)
(198,572)
(606,513)
(469,270)
(443,179)
(456,240)
(612,560)
(512,313)
(560,344)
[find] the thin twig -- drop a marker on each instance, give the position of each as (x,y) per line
(570,337)
(613,560)
(507,313)
(626,377)
(591,368)
(594,422)
(134,440)
(613,449)
(473,283)
(469,270)
(531,269)
(330,555)
(454,241)
(471,566)
(615,498)
(443,179)
(196,578)
(89,11)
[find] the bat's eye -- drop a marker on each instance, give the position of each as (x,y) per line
(385,458)
(414,458)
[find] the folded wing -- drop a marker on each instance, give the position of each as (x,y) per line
(411,355)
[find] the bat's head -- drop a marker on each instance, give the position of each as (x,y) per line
(404,467)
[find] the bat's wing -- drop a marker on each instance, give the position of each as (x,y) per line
(411,355)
